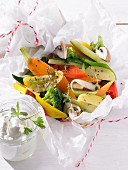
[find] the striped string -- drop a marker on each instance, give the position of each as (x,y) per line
(17,26)
(96,134)
(103,119)
(90,145)
(19,2)
(4,35)
(10,39)
(36,4)
(15,29)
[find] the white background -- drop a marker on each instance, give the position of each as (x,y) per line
(117,9)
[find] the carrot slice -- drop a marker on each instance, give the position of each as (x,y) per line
(71,94)
(102,91)
(39,68)
(89,79)
(35,65)
(63,85)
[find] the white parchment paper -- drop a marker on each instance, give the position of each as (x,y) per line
(67,141)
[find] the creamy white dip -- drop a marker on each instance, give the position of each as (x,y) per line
(12,128)
(14,144)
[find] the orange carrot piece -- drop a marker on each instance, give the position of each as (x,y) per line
(102,91)
(35,65)
(89,79)
(71,94)
(38,67)
(63,85)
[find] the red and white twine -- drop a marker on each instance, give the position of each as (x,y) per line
(12,32)
(16,28)
(4,35)
(35,6)
(96,134)
(19,2)
(90,145)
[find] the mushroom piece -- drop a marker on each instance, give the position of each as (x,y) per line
(61,50)
(103,53)
(81,84)
(72,109)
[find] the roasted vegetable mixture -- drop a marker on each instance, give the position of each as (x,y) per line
(74,78)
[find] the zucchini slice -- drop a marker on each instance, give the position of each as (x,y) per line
(86,51)
(100,73)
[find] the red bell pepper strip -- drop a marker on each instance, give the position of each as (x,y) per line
(112,91)
(74,72)
(28,92)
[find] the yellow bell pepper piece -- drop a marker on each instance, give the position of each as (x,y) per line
(87,45)
(53,112)
(20,88)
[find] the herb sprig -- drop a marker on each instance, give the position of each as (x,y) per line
(38,121)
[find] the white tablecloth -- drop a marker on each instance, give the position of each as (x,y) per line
(110,150)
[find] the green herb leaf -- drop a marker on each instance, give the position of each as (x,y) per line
(24,113)
(53,73)
(13,111)
(18,107)
(27,130)
(39,122)
(98,44)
